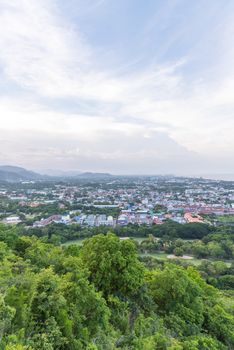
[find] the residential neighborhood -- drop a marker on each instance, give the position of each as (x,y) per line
(121,201)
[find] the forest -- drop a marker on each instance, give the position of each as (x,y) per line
(170,229)
(102,295)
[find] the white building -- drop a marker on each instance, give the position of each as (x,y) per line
(12,220)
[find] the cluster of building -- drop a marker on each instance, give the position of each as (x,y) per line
(126,217)
(83,220)
(139,200)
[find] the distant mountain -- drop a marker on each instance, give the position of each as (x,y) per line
(61,173)
(15,174)
(91,175)
(74,174)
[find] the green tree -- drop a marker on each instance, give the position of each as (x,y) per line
(113,264)
(6,316)
(220,324)
(178,297)
(178,251)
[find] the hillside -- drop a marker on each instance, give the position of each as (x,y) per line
(14,174)
(94,175)
(102,297)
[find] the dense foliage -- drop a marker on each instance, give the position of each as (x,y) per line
(218,245)
(100,296)
(169,229)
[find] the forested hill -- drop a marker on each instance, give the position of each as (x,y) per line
(101,296)
(14,174)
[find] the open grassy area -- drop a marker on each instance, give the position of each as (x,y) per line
(194,261)
(138,239)
(79,241)
(226,218)
(164,256)
(156,255)
(75,241)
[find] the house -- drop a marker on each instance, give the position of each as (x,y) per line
(12,220)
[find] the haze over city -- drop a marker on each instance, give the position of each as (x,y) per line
(126,87)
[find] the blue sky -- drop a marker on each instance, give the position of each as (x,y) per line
(127,86)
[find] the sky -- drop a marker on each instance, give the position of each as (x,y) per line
(126,87)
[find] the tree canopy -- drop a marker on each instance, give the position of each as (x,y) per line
(102,297)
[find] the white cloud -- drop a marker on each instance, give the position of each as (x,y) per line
(47,58)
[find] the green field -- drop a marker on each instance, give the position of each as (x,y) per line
(80,240)
(194,261)
(226,218)
(75,241)
(157,255)
(164,256)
